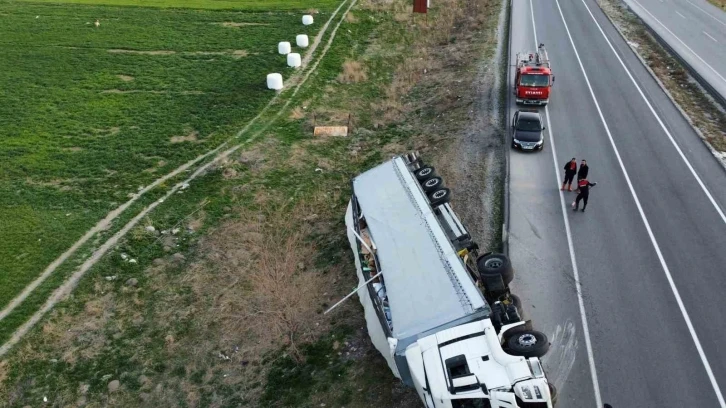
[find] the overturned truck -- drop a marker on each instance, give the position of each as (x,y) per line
(440,314)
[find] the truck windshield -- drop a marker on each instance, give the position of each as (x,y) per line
(534,80)
(470,403)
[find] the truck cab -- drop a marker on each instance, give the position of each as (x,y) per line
(533,79)
(466,367)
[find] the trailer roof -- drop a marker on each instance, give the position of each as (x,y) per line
(426,283)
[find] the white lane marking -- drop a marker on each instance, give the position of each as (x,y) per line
(706,12)
(682,16)
(653,241)
(571,247)
(680,41)
(660,122)
(709,36)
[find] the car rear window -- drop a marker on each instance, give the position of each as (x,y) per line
(529,125)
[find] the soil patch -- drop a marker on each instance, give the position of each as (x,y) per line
(353,72)
(191,137)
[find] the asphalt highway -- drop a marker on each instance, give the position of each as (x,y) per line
(645,327)
(695,29)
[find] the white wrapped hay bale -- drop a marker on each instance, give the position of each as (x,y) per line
(293,60)
(307,19)
(284,47)
(274,81)
(302,40)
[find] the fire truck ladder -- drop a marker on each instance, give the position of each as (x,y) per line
(542,58)
(539,58)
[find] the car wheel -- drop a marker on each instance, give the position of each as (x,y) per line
(528,343)
(424,173)
(432,184)
(439,196)
(493,265)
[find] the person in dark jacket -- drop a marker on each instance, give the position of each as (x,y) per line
(582,173)
(583,188)
(570,171)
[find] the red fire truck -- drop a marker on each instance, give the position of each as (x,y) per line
(534,78)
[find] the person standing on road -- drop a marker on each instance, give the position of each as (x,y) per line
(570,171)
(583,187)
(582,173)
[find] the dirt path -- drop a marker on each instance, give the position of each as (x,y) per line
(298,79)
(477,155)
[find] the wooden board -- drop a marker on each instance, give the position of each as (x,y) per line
(331,131)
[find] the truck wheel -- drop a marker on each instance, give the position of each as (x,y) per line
(528,343)
(439,196)
(424,173)
(432,184)
(495,264)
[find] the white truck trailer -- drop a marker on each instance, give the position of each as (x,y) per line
(441,315)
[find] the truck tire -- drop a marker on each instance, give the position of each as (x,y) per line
(424,173)
(528,343)
(495,264)
(439,196)
(432,184)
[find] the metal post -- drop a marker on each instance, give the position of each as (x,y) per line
(351,293)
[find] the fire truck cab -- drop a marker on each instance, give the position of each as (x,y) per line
(534,78)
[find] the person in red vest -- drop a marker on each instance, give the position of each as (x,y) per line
(583,188)
(570,171)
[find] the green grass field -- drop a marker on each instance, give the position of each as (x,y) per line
(91,114)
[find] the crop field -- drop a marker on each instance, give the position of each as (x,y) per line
(247,5)
(90,114)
